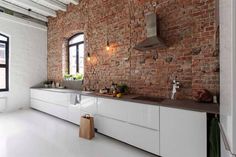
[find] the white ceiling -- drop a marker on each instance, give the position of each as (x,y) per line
(38,9)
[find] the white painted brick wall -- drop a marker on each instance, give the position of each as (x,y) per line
(28,60)
(3,102)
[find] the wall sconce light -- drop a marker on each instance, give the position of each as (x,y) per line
(108,46)
(88,57)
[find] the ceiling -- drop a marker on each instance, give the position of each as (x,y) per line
(37,9)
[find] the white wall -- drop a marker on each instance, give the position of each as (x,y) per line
(234,78)
(228,73)
(28,60)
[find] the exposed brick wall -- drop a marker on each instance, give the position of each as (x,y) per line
(187,26)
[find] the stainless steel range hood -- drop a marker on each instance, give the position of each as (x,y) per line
(153,40)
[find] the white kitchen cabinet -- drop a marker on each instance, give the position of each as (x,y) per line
(143,115)
(58,104)
(140,137)
(144,138)
(163,131)
(54,103)
(39,105)
(111,127)
(83,113)
(51,97)
(183,133)
(88,104)
(133,123)
(113,108)
(74,114)
(134,113)
(53,109)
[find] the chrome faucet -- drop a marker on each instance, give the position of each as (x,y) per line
(175,84)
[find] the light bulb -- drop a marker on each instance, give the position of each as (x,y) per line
(108,48)
(88,57)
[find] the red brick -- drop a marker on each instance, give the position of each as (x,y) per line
(184,24)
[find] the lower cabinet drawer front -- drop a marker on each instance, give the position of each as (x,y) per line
(74,114)
(88,104)
(61,111)
(113,128)
(113,109)
(144,115)
(51,97)
(55,110)
(144,138)
(41,106)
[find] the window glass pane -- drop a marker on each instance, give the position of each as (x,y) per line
(77,39)
(2,78)
(2,53)
(3,38)
(72,54)
(81,58)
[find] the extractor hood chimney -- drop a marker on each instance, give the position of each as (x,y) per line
(153,40)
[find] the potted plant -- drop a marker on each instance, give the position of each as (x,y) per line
(78,76)
(68,76)
(122,88)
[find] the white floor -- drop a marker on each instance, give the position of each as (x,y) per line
(29,133)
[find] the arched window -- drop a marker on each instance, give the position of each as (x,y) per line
(4,62)
(76,54)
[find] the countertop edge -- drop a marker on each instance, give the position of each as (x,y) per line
(184,104)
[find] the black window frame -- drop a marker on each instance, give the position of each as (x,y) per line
(6,65)
(77,51)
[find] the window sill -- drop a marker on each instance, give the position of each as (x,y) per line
(4,94)
(73,80)
(4,91)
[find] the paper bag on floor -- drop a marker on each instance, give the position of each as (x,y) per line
(86,127)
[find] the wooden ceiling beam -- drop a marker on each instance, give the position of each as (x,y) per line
(22,11)
(30,5)
(52,4)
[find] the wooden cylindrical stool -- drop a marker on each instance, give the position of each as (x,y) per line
(86,127)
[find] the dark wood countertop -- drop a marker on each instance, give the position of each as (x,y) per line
(178,104)
(192,105)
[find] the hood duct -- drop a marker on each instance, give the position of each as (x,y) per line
(153,40)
